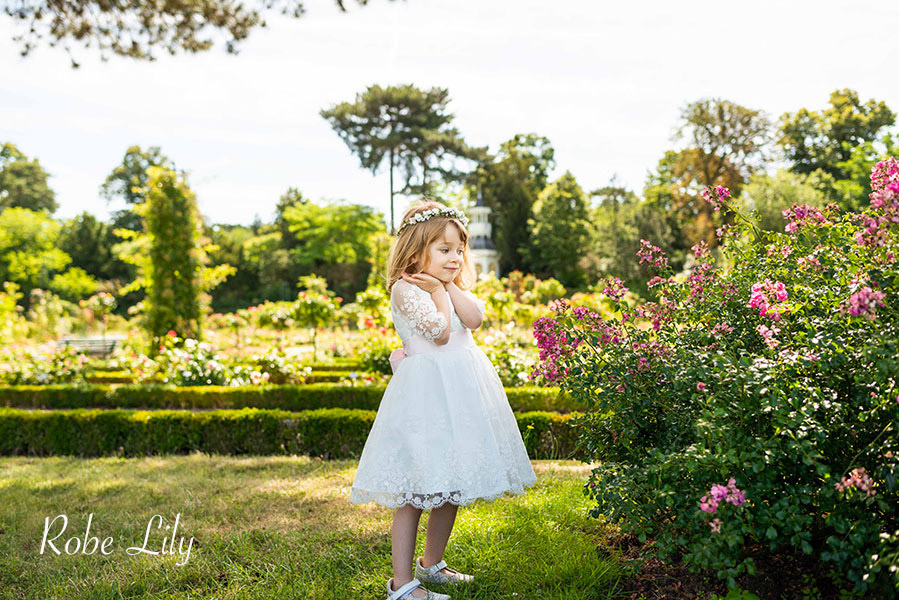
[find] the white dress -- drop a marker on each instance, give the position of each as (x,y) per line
(444,431)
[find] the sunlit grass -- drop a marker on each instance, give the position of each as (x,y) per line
(279,527)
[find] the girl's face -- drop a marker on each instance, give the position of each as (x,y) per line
(445,255)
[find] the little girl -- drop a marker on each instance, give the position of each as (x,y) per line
(444,434)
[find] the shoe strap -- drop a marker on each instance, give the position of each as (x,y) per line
(404,590)
(436,568)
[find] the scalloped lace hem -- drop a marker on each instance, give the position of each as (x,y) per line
(428,501)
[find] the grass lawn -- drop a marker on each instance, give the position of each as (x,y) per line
(278,527)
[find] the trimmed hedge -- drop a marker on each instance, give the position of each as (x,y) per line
(349,364)
(110,377)
(285,397)
(328,433)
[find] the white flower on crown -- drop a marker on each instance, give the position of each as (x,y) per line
(433,212)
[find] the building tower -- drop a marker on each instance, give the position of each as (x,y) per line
(483,253)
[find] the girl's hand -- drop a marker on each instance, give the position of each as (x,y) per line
(426,282)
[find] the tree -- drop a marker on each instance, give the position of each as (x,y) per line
(510,183)
(769,196)
(272,263)
(74,285)
(335,240)
(409,127)
(23,182)
(128,182)
(134,28)
(822,140)
(243,289)
(291,197)
(559,232)
(87,240)
(725,144)
(172,258)
(28,252)
(618,221)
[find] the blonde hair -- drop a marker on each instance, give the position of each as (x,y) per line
(413,243)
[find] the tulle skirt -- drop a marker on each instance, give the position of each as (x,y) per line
(444,432)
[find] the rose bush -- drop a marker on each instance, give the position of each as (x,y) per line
(753,402)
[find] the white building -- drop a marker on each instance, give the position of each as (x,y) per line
(484,255)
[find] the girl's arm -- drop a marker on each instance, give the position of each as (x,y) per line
(431,319)
(442,304)
(468,310)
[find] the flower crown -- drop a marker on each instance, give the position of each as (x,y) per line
(424,215)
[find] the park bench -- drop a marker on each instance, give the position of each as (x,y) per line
(93,346)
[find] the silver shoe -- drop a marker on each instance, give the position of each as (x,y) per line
(433,574)
(405,591)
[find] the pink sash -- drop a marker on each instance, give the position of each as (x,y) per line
(458,340)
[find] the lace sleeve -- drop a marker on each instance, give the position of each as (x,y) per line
(417,307)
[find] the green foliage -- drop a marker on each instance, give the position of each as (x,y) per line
(276,368)
(171,258)
(138,32)
(48,315)
(333,233)
(128,183)
(768,196)
(89,242)
(278,315)
(288,397)
(315,309)
(28,252)
(375,307)
(23,182)
(510,184)
(175,259)
(724,144)
(511,356)
(74,284)
(778,374)
(735,594)
(100,305)
(851,193)
(517,297)
(185,362)
(188,362)
(559,231)
(618,221)
(814,140)
(374,354)
(272,263)
(336,240)
(13,326)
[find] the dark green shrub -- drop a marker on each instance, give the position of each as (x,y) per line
(329,433)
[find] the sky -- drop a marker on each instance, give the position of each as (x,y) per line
(605,82)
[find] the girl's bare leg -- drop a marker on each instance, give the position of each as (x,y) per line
(405,528)
(440,525)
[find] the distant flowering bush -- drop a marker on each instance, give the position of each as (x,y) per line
(189,362)
(47,364)
(511,353)
(773,365)
(374,354)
